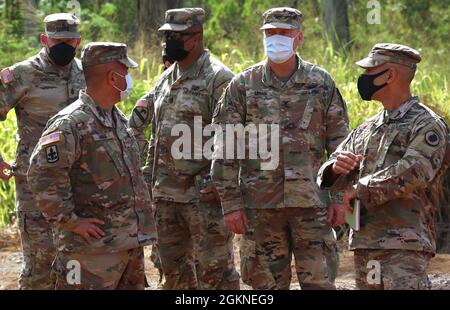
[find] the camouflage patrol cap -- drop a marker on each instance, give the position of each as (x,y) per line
(62,26)
(183,19)
(282,18)
(393,53)
(98,53)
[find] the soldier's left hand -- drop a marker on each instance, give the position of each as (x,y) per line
(87,228)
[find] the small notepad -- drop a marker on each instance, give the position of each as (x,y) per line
(353,218)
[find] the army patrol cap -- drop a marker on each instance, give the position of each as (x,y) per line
(98,53)
(62,26)
(183,19)
(282,18)
(393,53)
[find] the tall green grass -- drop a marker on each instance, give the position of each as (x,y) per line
(232,33)
(430,85)
(7,148)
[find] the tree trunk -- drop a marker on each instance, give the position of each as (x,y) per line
(151,17)
(337,23)
(316,7)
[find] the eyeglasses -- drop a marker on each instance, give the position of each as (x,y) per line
(178,35)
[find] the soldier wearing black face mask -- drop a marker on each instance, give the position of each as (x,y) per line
(61,38)
(391,166)
(195,247)
(380,64)
(37,89)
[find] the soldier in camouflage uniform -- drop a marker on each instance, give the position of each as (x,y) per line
(441,191)
(154,257)
(281,211)
(189,218)
(86,174)
(37,89)
(387,164)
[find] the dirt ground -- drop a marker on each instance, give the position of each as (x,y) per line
(11,261)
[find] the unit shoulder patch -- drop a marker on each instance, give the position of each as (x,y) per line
(51,154)
(432,138)
(140,114)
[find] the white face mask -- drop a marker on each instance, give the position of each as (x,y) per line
(125,94)
(279,48)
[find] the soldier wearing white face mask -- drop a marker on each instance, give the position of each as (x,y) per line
(126,93)
(282,212)
(278,48)
(85,172)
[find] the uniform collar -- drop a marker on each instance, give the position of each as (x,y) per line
(48,67)
(270,79)
(194,70)
(401,111)
(45,61)
(103,116)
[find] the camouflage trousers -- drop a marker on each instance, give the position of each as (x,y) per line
(156,260)
(195,230)
(37,242)
(190,272)
(332,256)
(110,271)
(331,252)
(277,234)
(391,269)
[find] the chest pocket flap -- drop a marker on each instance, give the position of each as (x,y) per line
(385,143)
(106,141)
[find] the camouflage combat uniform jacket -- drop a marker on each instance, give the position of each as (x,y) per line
(178,98)
(312,119)
(87,165)
(37,90)
(403,150)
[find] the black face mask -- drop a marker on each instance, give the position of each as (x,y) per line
(62,54)
(175,49)
(367,88)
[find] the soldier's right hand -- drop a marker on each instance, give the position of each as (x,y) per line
(346,162)
(5,171)
(88,228)
(237,222)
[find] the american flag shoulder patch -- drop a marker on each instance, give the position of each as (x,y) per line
(51,138)
(7,76)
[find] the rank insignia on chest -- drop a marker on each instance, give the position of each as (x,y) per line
(51,154)
(7,76)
